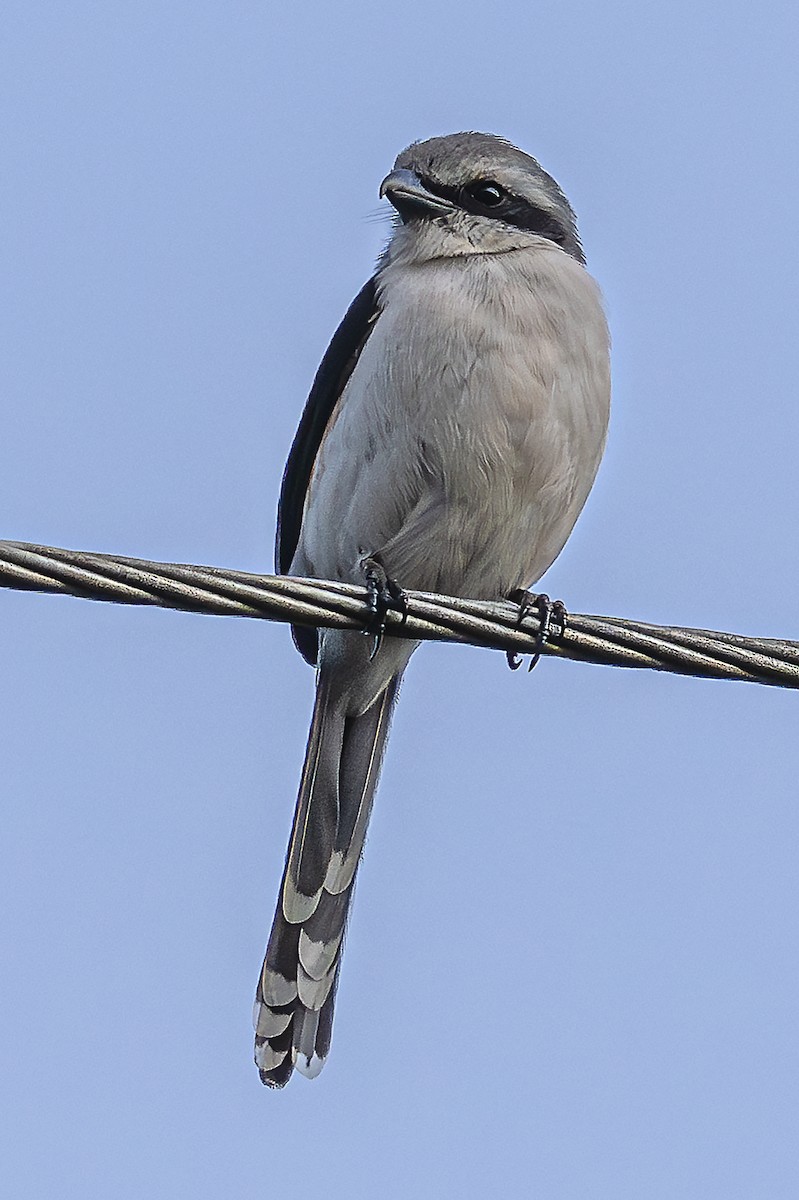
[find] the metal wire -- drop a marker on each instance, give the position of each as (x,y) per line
(606,640)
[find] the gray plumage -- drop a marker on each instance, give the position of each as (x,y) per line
(452,435)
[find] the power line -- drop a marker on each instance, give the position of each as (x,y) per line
(213,590)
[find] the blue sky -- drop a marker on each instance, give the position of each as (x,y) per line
(572,969)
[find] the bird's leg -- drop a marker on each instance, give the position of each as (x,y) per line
(545,609)
(382,594)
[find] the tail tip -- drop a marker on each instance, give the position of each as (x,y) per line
(309,1065)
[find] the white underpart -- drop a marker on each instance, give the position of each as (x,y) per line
(467,439)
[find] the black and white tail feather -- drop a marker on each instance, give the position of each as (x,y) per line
(293,1013)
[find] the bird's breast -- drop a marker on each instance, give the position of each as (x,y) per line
(468,436)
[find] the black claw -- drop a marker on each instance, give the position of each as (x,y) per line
(545,609)
(399,597)
(382,594)
(376,644)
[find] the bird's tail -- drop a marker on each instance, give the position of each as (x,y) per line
(294,1000)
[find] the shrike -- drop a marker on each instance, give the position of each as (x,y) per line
(449,442)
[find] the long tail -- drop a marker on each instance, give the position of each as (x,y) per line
(293,1014)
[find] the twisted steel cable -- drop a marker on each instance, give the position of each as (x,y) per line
(606,640)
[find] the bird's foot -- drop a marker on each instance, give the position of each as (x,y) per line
(545,609)
(382,594)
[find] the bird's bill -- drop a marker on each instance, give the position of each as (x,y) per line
(405,190)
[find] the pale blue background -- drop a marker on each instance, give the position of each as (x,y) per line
(573,969)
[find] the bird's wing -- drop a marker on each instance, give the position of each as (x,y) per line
(334,371)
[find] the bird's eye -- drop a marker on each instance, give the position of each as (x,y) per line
(486,192)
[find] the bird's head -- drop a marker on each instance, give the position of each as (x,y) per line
(474,193)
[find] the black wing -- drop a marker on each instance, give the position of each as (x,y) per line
(334,371)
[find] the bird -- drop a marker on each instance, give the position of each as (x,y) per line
(450,439)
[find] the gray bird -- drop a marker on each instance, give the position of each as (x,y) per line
(451,437)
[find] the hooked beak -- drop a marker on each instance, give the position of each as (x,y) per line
(405,190)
